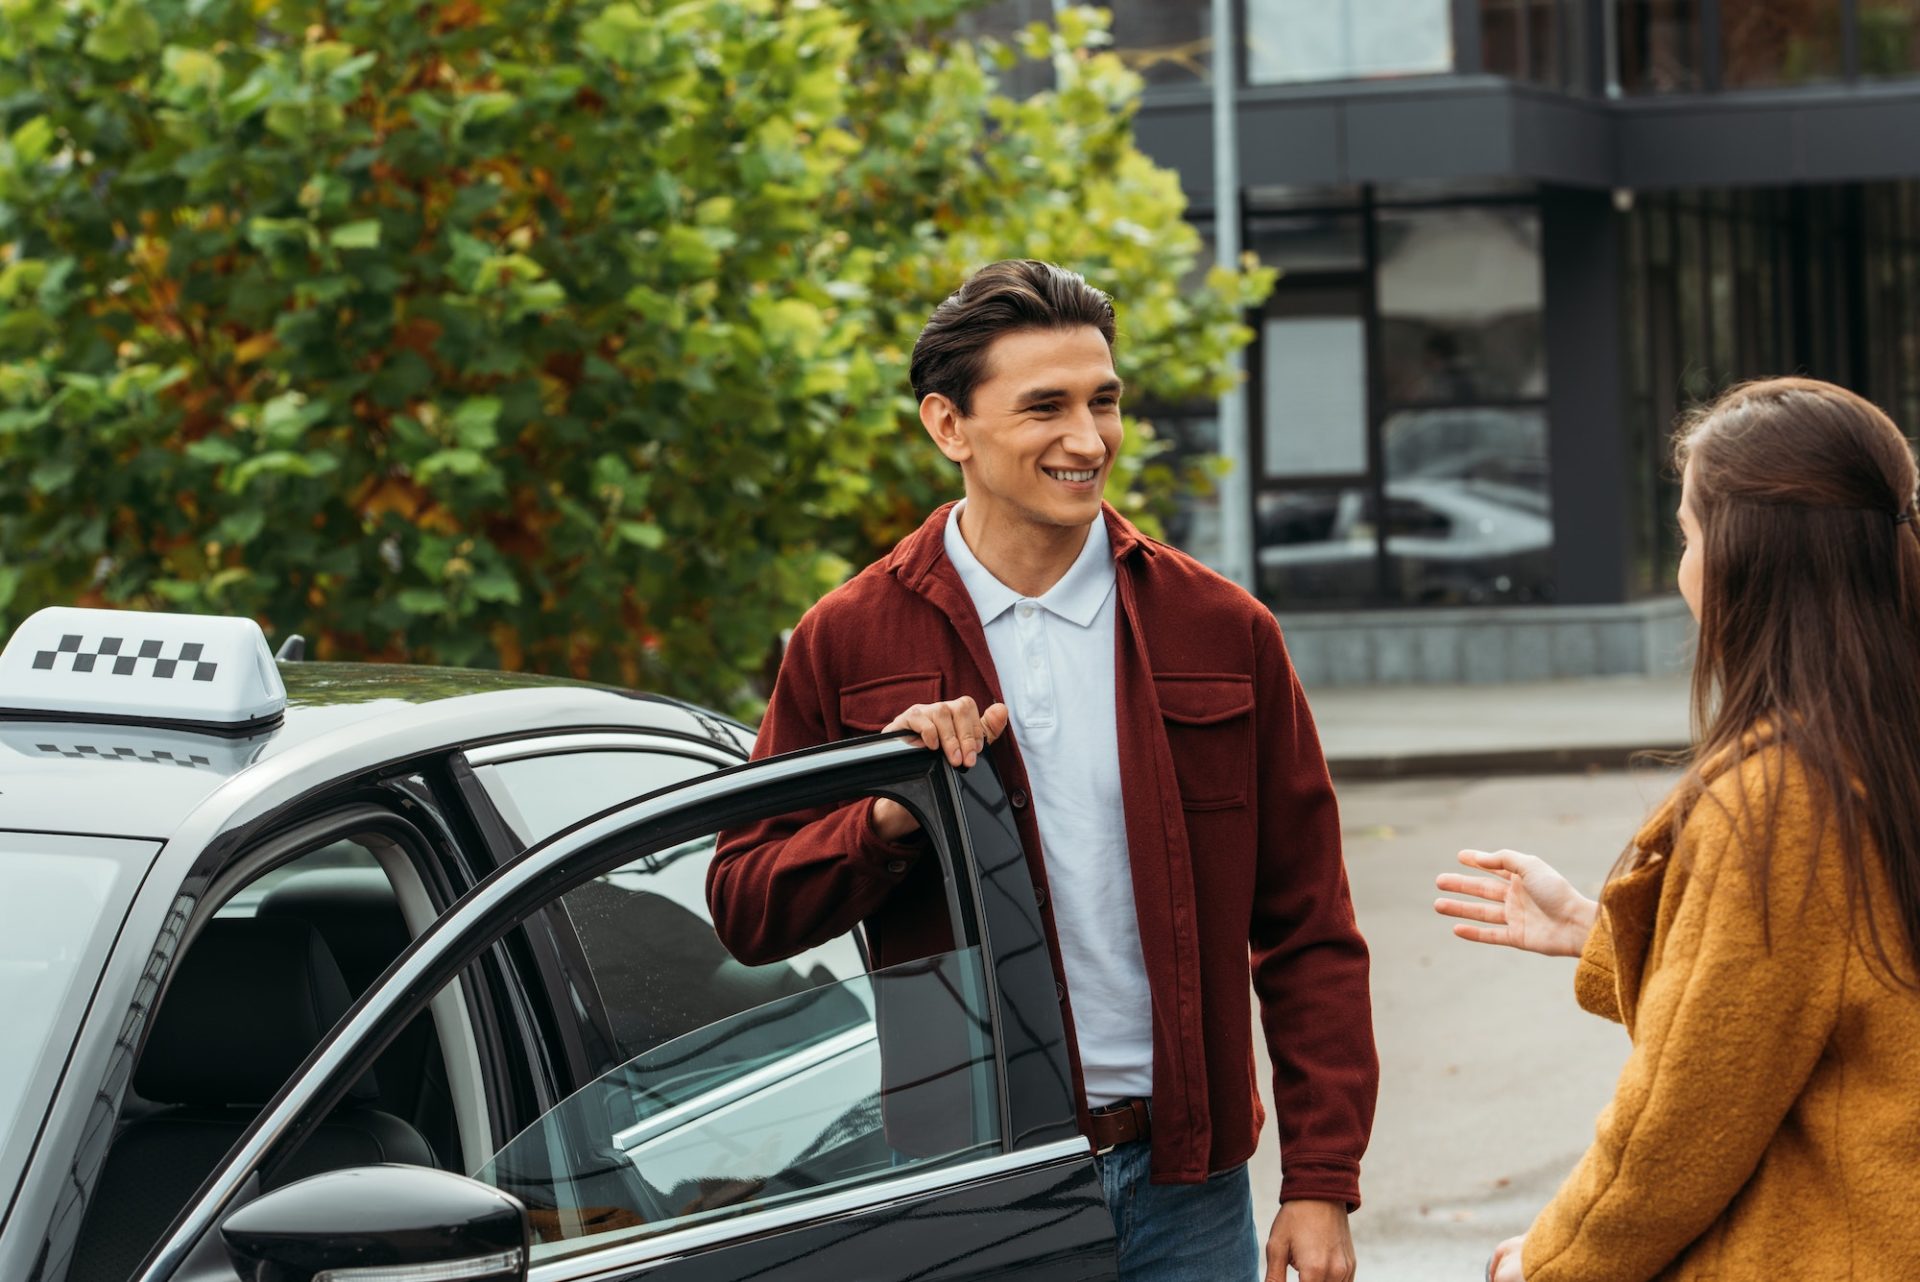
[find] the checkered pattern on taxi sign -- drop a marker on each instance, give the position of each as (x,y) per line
(159,757)
(123,660)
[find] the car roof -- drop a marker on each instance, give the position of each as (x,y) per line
(96,777)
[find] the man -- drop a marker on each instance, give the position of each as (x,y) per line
(1164,775)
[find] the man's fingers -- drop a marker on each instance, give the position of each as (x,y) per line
(1471,911)
(995,720)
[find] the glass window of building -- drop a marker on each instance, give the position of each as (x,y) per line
(1313,389)
(1889,37)
(1530,40)
(1659,45)
(1289,41)
(1400,380)
(1459,297)
(1780,42)
(1169,42)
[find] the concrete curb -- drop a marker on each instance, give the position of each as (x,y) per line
(1498,761)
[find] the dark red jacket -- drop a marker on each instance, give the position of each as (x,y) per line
(1232,833)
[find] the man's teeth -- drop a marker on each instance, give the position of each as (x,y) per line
(1059,475)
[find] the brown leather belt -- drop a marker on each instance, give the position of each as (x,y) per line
(1121,1123)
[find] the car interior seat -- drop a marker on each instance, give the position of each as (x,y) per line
(250,1001)
(358,916)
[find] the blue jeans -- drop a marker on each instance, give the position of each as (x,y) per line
(1179,1232)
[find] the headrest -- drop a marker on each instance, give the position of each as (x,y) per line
(356,913)
(249,1002)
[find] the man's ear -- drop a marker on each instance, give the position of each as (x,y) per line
(941,417)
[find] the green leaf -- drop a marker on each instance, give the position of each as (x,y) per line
(458,462)
(474,422)
(364,234)
(642,534)
(422,600)
(33,140)
(127,31)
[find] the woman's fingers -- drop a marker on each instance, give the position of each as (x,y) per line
(1483,934)
(1501,863)
(1470,911)
(1484,887)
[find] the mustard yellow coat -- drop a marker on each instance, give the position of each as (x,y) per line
(1767,1122)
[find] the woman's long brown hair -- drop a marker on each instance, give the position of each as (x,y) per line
(1803,494)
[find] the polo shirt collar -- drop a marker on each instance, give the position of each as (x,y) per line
(1077,597)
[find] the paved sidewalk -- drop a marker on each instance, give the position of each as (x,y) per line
(1379,732)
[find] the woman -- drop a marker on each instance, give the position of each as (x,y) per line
(1760,938)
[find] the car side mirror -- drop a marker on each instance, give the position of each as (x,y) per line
(380,1224)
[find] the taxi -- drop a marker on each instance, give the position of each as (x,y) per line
(366,973)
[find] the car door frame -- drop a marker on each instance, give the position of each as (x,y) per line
(991,900)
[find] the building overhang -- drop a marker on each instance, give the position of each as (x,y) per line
(1474,128)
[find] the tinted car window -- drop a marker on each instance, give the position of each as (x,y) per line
(538,796)
(788,1100)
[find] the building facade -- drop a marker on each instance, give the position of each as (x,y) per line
(1517,239)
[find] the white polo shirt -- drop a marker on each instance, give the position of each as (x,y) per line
(1054,655)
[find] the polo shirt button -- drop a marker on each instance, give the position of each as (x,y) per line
(896,865)
(1019,799)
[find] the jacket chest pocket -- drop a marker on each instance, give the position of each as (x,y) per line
(1209,721)
(869,706)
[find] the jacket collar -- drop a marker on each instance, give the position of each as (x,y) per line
(917,555)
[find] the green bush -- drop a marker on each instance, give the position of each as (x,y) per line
(530,333)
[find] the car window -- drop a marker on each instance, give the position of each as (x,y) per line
(737,1087)
(831,1087)
(537,796)
(644,933)
(260,984)
(64,898)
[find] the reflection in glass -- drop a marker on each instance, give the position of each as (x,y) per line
(1307,242)
(1469,518)
(1659,45)
(1779,42)
(1169,42)
(1305,40)
(1316,547)
(840,1085)
(1522,39)
(1459,299)
(1889,37)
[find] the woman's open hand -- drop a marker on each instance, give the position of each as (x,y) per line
(1525,904)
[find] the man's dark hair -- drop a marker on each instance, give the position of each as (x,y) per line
(1015,294)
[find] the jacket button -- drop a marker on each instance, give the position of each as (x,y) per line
(1019,799)
(1039,896)
(1060,991)
(896,865)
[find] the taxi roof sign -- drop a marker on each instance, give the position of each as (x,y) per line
(195,671)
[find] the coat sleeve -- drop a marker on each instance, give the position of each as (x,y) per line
(1310,967)
(1595,985)
(794,881)
(1728,1028)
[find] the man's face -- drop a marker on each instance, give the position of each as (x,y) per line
(1044,428)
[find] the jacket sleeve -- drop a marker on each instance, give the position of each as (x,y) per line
(1727,1031)
(1309,962)
(1595,986)
(794,881)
